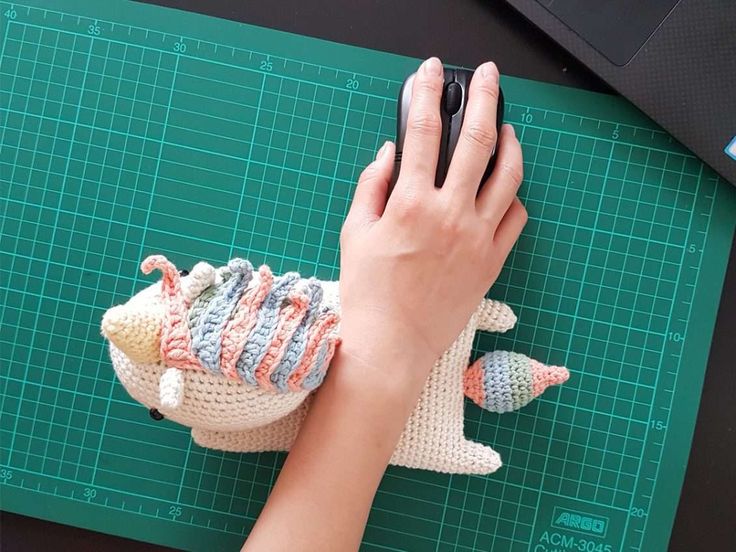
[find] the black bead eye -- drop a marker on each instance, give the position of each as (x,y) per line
(155,414)
(183,272)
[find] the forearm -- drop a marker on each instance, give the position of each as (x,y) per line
(324,492)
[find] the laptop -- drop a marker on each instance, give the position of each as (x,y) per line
(674,59)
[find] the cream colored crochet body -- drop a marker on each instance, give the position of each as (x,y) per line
(232,415)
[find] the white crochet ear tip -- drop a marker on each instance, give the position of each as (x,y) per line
(203,270)
(171,388)
(199,278)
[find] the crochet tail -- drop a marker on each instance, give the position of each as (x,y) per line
(502,381)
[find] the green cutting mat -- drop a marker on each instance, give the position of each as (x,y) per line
(129,129)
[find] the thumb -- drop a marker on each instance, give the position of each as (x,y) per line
(370,196)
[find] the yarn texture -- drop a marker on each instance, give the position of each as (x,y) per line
(235,353)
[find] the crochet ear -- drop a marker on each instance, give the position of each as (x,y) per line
(501,381)
(495,316)
(200,278)
(135,330)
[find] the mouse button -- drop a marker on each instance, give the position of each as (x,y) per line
(449,75)
(453,98)
(463,78)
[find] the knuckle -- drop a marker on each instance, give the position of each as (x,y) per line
(478,238)
(489,89)
(488,218)
(368,173)
(425,122)
(452,228)
(523,215)
(427,86)
(481,240)
(512,172)
(409,208)
(481,135)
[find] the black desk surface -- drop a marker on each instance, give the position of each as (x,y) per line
(468,32)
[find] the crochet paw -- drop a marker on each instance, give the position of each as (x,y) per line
(495,316)
(501,381)
(462,456)
(276,436)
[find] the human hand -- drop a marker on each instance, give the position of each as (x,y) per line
(415,265)
(414,268)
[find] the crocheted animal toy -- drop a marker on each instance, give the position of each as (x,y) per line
(234,353)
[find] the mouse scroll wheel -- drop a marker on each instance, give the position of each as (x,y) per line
(453,98)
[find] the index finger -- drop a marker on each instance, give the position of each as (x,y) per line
(424,126)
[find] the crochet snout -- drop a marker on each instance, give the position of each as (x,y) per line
(136,332)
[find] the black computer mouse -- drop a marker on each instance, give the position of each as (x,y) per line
(452,112)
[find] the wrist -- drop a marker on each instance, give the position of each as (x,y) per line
(379,335)
(384,367)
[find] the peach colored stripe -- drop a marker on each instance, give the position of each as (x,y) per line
(321,329)
(241,323)
(473,383)
(290,319)
(176,340)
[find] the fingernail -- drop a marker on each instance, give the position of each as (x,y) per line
(382,151)
(513,130)
(489,71)
(432,67)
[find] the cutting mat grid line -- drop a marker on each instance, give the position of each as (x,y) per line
(76,298)
(500,522)
(671,252)
(627,339)
(641,397)
(616,290)
(649,417)
(367,149)
(579,303)
(119,141)
(641,303)
(128,440)
(146,132)
(617,474)
(699,252)
(500,526)
(13,434)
